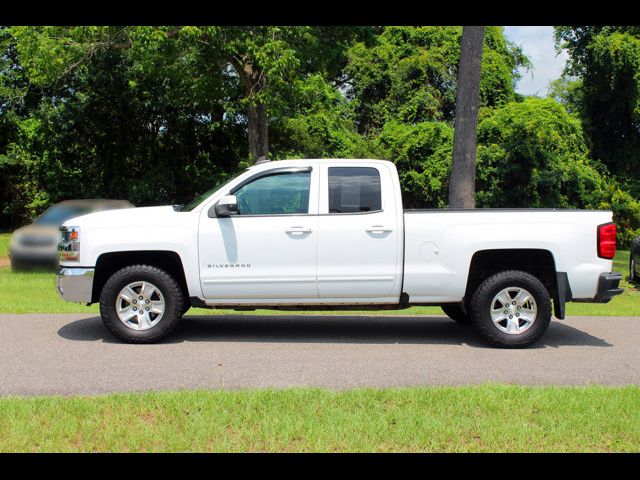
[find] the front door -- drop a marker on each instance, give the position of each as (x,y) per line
(268,249)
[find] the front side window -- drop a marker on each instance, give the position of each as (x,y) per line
(276,194)
(354,189)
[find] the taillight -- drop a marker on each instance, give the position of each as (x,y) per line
(607,240)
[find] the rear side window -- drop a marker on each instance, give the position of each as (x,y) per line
(354,189)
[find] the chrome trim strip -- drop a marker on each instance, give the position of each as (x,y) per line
(210,281)
(356,279)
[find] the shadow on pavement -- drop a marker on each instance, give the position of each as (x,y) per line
(328,329)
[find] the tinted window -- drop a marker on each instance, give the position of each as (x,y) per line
(275,194)
(354,189)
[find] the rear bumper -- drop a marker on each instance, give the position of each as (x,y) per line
(608,287)
(75,284)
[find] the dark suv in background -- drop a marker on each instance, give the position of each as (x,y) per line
(634,260)
(35,245)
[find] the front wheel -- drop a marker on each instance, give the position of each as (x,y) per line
(511,309)
(632,271)
(17,267)
(141,304)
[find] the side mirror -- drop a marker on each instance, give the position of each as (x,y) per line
(228,205)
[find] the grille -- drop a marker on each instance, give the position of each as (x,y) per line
(37,241)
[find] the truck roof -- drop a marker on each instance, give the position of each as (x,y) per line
(323,160)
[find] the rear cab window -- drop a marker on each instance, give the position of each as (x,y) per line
(354,190)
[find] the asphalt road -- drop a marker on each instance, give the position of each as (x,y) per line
(71,354)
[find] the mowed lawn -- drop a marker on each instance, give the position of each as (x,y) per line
(34,292)
(489,418)
(4,244)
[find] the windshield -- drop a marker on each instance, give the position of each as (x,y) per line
(58,214)
(201,198)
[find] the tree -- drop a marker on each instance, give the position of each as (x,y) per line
(263,61)
(408,74)
(463,169)
(607,62)
(533,154)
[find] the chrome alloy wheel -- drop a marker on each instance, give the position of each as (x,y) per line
(513,310)
(140,305)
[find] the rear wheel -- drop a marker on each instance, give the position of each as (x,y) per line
(455,312)
(511,309)
(632,271)
(141,304)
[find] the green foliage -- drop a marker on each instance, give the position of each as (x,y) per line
(409,75)
(607,60)
(606,98)
(158,114)
(626,213)
(422,154)
(533,154)
(318,124)
(569,93)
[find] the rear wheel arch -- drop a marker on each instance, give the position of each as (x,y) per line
(538,262)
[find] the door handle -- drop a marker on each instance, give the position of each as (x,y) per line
(379,229)
(298,230)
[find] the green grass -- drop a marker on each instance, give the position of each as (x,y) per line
(4,243)
(488,418)
(43,299)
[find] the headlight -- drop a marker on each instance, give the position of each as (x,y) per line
(69,245)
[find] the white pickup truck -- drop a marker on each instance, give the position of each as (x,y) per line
(300,234)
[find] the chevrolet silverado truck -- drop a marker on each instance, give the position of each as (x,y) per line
(313,234)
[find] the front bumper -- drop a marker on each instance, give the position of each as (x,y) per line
(34,258)
(75,284)
(607,288)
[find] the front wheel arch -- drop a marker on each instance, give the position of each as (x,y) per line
(109,263)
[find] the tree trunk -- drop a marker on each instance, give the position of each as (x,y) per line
(253,81)
(258,132)
(463,169)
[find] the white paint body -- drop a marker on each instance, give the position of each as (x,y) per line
(331,259)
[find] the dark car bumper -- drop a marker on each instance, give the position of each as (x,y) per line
(608,287)
(34,258)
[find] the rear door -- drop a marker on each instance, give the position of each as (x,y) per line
(359,233)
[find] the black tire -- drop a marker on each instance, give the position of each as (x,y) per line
(456,313)
(632,271)
(17,266)
(481,305)
(174,303)
(185,308)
